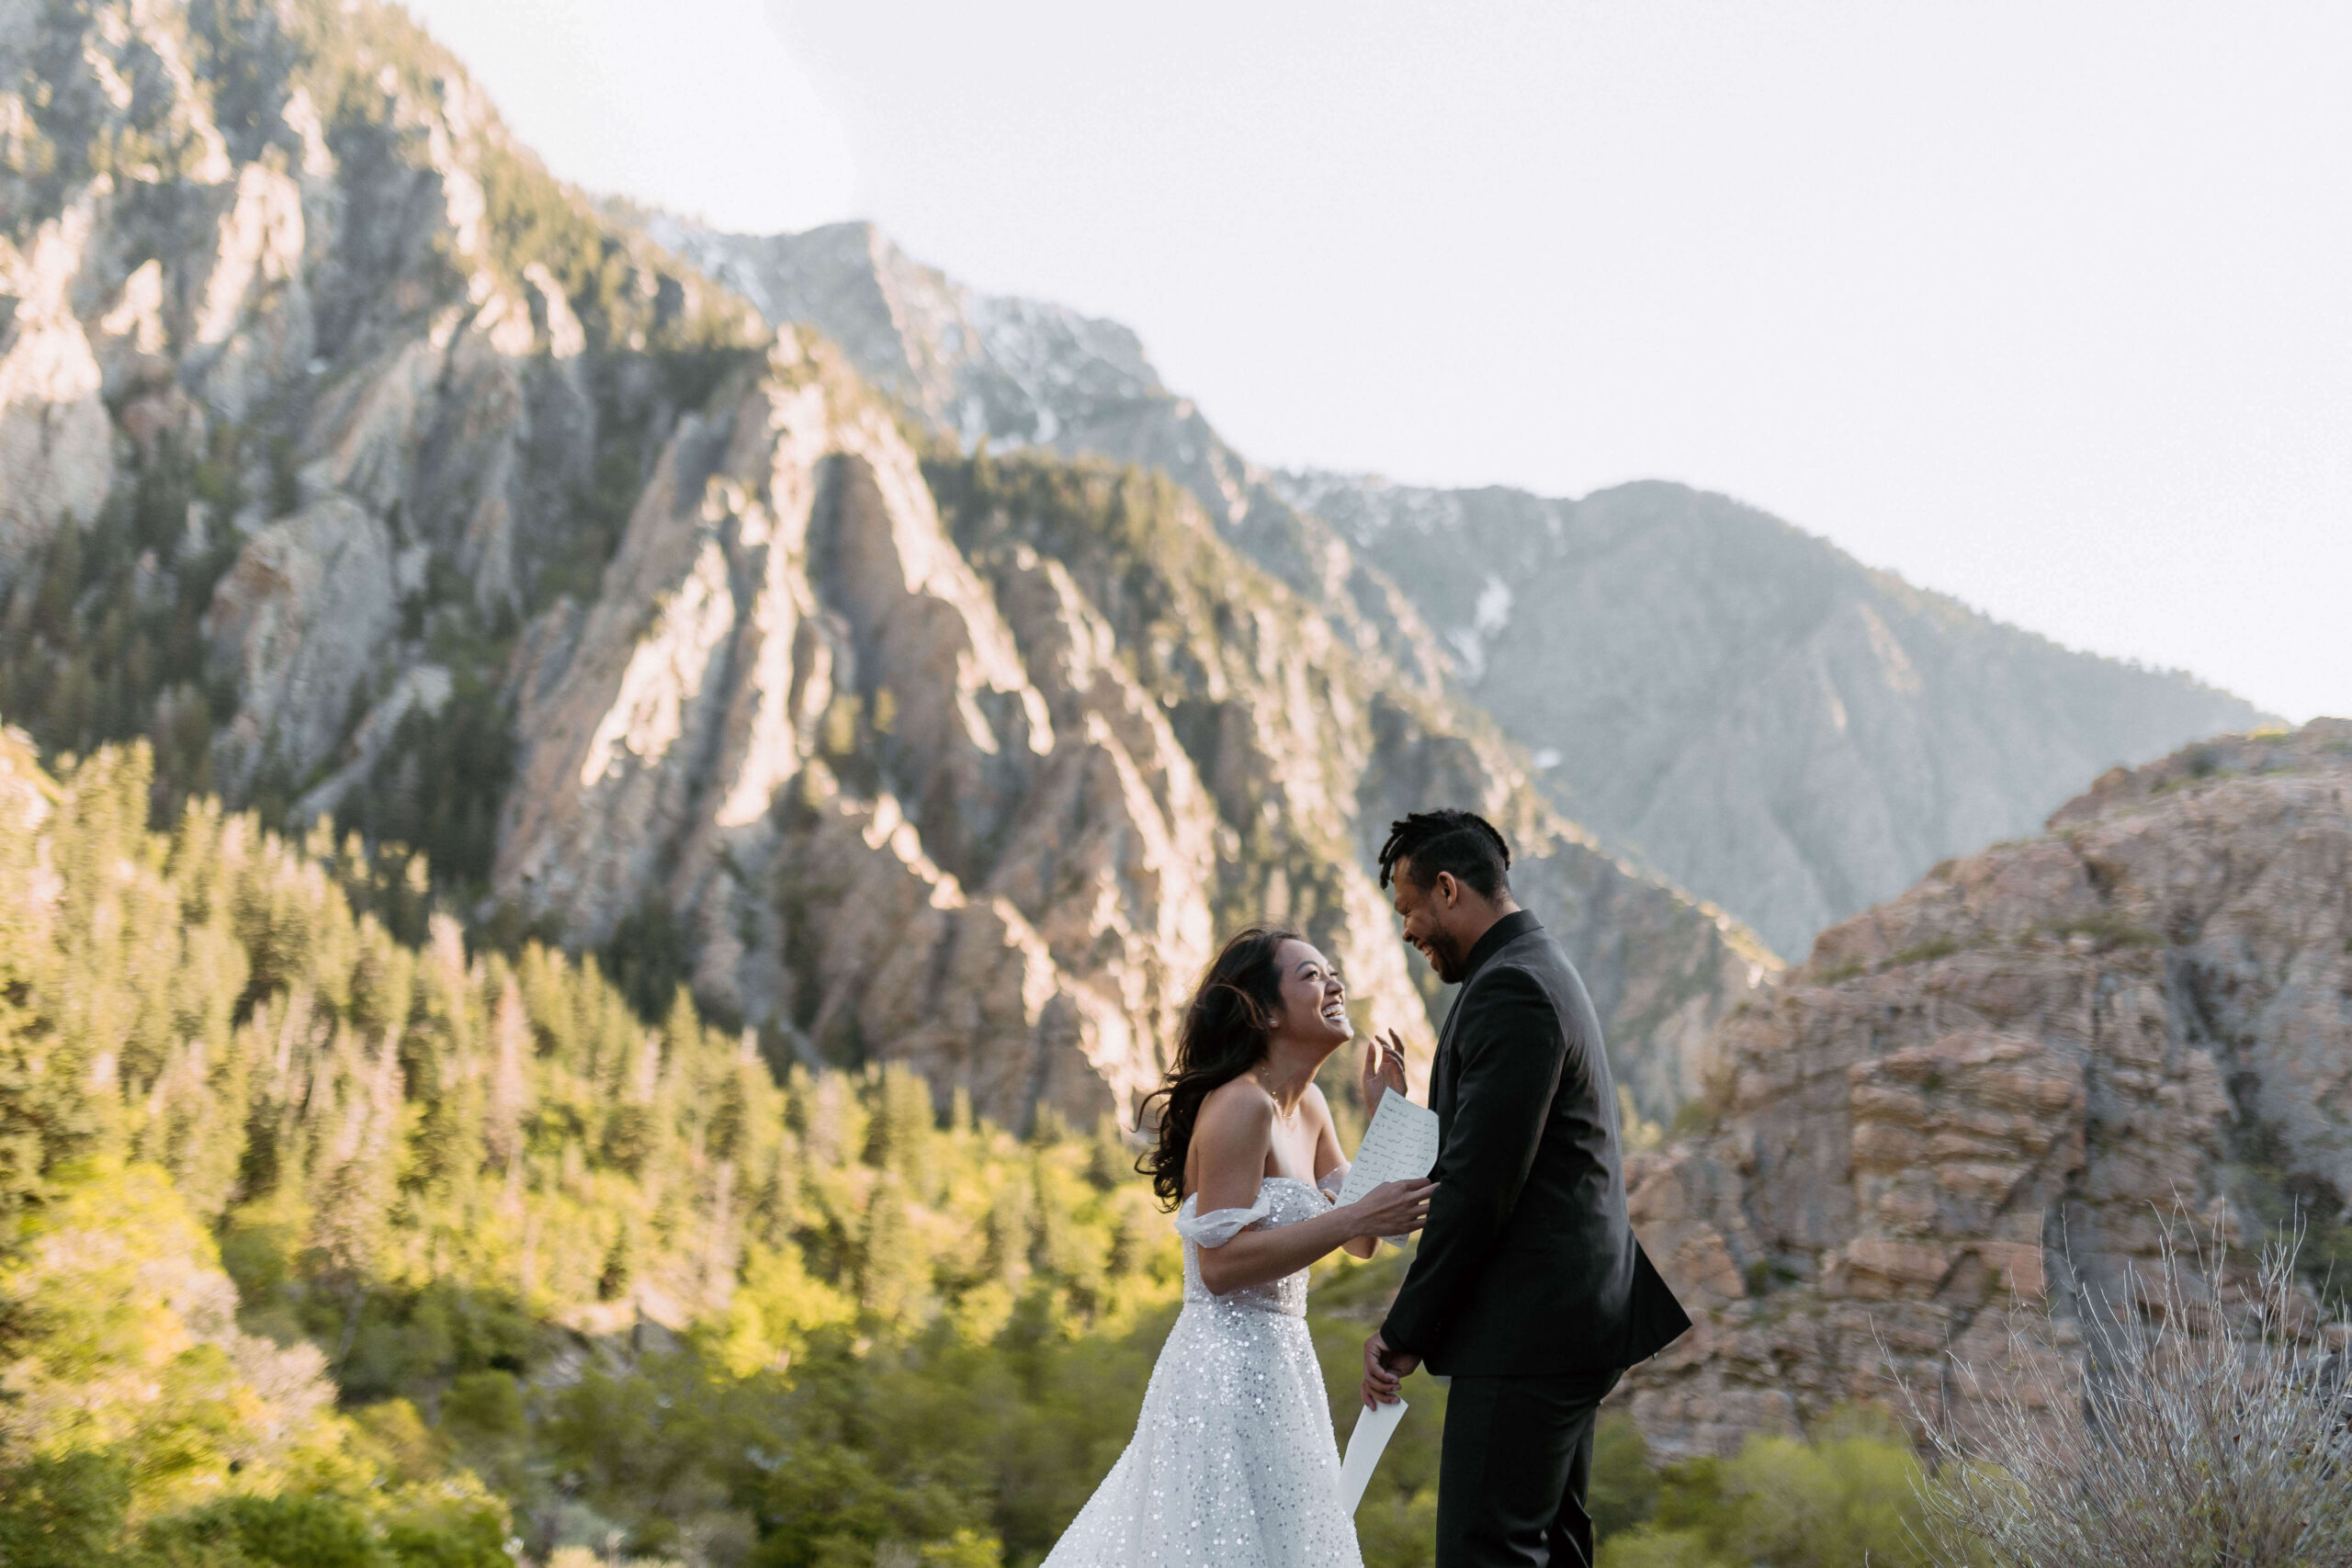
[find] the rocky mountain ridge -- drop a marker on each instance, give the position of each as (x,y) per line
(1018,372)
(2001,1086)
(1740,708)
(372,475)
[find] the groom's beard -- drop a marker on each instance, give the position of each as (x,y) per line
(1448,954)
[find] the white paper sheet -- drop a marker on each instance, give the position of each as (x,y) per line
(1374,1425)
(1400,1145)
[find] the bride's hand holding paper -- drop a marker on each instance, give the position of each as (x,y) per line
(1393,1208)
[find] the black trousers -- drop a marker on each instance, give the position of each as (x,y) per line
(1510,1481)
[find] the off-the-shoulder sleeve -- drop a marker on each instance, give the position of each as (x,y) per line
(1220,1226)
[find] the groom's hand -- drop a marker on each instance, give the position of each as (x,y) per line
(1384,1371)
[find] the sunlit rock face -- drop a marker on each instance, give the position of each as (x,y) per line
(286,329)
(2005,1081)
(377,479)
(897,827)
(56,439)
(300,618)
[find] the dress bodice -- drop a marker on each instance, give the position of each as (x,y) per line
(1281,1200)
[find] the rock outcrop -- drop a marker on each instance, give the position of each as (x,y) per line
(56,444)
(2004,1083)
(299,618)
(797,718)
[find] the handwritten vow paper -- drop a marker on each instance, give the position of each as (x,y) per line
(1374,1425)
(1400,1145)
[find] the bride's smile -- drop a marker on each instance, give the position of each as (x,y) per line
(1314,999)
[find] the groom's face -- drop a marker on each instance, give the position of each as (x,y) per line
(1427,912)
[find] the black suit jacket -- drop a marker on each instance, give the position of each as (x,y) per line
(1527,1265)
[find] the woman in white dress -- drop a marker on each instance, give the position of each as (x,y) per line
(1232,1463)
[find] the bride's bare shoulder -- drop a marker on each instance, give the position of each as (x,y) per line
(1236,1108)
(1231,1134)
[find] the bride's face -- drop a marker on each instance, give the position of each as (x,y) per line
(1315,999)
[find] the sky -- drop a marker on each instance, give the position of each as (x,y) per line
(2046,306)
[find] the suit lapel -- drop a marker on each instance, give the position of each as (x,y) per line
(1441,1066)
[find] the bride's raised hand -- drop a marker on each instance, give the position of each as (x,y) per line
(1393,1208)
(1384,1068)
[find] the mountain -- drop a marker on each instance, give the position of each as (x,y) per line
(1740,706)
(377,478)
(1026,373)
(2002,1083)
(1755,714)
(964,762)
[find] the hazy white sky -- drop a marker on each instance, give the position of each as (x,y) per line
(2048,306)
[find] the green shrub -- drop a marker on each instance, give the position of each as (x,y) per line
(1849,1493)
(62,1512)
(1624,1488)
(1659,1548)
(464,1532)
(484,1406)
(268,1532)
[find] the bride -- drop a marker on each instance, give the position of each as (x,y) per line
(1232,1463)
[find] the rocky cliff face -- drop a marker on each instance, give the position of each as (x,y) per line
(374,475)
(963,762)
(795,716)
(1748,710)
(2003,1083)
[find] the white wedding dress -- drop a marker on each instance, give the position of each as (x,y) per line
(1232,1463)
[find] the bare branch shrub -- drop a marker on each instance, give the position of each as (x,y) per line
(2203,1421)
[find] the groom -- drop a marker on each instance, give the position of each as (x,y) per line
(1529,1288)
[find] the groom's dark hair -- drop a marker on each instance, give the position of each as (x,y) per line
(1459,842)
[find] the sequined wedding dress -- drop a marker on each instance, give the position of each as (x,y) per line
(1232,1463)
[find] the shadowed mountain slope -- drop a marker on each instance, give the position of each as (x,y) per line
(1745,706)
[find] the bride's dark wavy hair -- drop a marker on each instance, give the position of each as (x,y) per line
(1223,1036)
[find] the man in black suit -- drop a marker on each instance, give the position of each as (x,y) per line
(1529,1290)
